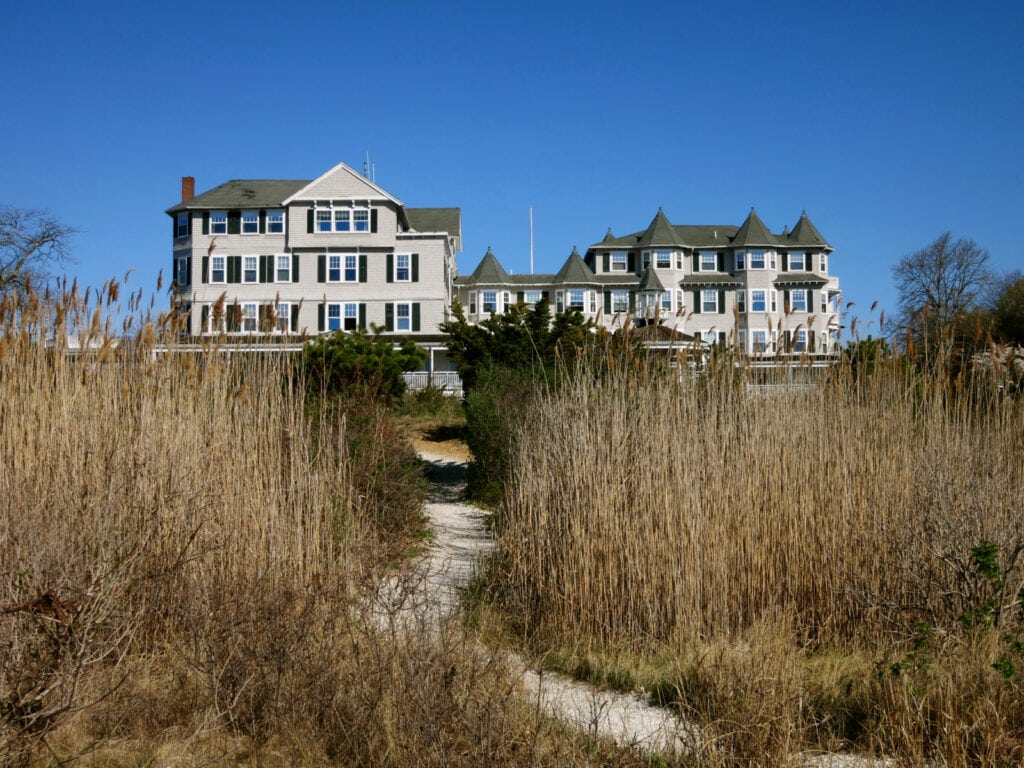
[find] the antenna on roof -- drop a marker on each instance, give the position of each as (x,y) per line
(366,165)
(531,239)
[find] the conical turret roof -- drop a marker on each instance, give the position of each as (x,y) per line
(489,270)
(805,233)
(660,232)
(753,232)
(650,281)
(575,270)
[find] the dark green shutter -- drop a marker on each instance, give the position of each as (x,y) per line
(721,262)
(696,262)
(631,262)
(206,222)
(293,325)
(390,267)
(362,315)
(320,317)
(721,302)
(362,267)
(389,317)
(632,301)
(295,267)
(263,221)
(263,270)
(188,269)
(810,301)
(607,302)
(416,316)
(234,269)
(234,222)
(234,318)
(605,259)
(520,297)
(204,318)
(415,267)
(309,222)
(696,302)
(321,268)
(785,301)
(373,219)
(785,261)
(206,269)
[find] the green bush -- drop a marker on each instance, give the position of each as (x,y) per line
(359,363)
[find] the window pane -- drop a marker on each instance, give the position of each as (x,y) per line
(333,268)
(351,262)
(284,269)
(361,219)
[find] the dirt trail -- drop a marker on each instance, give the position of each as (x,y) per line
(461,542)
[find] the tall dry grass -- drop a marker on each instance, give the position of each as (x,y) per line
(677,515)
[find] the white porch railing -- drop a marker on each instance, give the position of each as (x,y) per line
(448,381)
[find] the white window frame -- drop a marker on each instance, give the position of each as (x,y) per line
(335,274)
(489,302)
(360,219)
(283,314)
(772,260)
(532,297)
(250,319)
(823,263)
(577,299)
(323,220)
(646,260)
(255,261)
(275,222)
(619,261)
(506,301)
(218,222)
(181,225)
(181,270)
(286,260)
(340,218)
(741,338)
(350,268)
(214,269)
(756,333)
(803,300)
(472,302)
(741,261)
(666,301)
(620,301)
(663,259)
(775,300)
(799,341)
(758,258)
(706,306)
(803,261)
(754,300)
(706,255)
(350,316)
(334,313)
(403,322)
(559,302)
(824,302)
(403,268)
(741,302)
(679,300)
(250,222)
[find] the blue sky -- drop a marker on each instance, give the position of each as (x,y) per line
(888,122)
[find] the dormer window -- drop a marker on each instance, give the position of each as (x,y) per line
(250,222)
(708,261)
(663,259)
(275,222)
(218,222)
(757,259)
(797,261)
(618,261)
(341,217)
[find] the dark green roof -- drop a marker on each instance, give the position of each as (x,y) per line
(685,235)
(659,232)
(650,281)
(436,220)
(489,271)
(575,271)
(805,233)
(243,193)
(799,278)
(709,278)
(753,232)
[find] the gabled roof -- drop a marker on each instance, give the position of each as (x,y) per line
(753,232)
(575,270)
(489,271)
(242,193)
(659,232)
(805,233)
(308,192)
(650,281)
(436,220)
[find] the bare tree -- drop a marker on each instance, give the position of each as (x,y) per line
(31,244)
(937,285)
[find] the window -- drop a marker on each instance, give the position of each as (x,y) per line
(797,261)
(771,256)
(576,299)
(798,300)
(341,217)
(490,301)
(663,259)
(334,268)
(824,302)
(741,301)
(351,316)
(532,297)
(217,270)
(646,261)
(758,301)
(740,263)
(472,302)
(666,301)
(679,299)
(823,263)
(402,267)
(709,337)
(250,269)
(403,317)
(181,225)
(708,261)
(757,259)
(709,301)
(181,270)
(679,261)
(283,274)
(250,313)
(559,305)
(758,341)
(218,222)
(334,317)
(275,222)
(619,261)
(323,220)
(800,341)
(283,320)
(361,220)
(342,220)
(620,301)
(250,222)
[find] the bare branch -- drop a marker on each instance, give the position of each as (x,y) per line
(31,244)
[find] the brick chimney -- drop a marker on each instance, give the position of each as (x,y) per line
(188,188)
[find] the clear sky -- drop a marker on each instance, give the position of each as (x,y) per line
(889,122)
